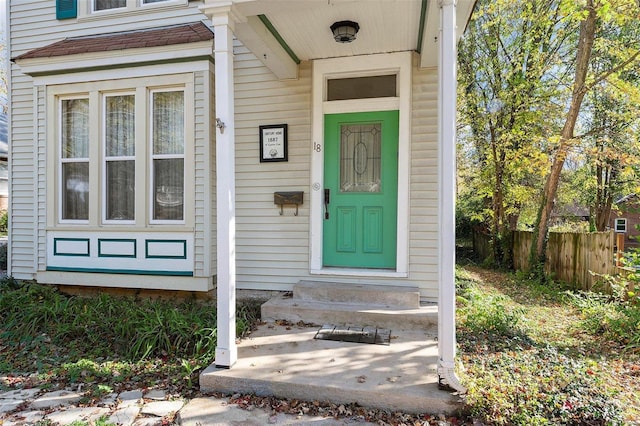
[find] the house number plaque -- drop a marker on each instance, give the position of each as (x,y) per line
(273,143)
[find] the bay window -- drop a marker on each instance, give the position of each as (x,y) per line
(107,6)
(121,153)
(168,155)
(74,159)
(119,157)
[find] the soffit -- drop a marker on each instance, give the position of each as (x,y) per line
(385,25)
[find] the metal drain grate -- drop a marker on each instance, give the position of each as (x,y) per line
(372,335)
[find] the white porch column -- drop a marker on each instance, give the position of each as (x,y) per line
(226,349)
(446,209)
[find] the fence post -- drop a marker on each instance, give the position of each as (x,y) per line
(620,245)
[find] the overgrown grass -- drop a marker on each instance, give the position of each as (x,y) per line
(615,319)
(536,354)
(106,339)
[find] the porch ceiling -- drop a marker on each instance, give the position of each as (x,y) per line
(303,26)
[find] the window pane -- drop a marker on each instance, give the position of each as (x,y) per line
(360,157)
(120,190)
(75,128)
(108,4)
(168,191)
(168,122)
(380,86)
(75,191)
(120,125)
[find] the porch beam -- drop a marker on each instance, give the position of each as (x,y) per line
(429,43)
(446,209)
(264,45)
(223,22)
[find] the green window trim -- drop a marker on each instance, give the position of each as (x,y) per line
(57,252)
(147,255)
(117,240)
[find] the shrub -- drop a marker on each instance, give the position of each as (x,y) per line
(108,326)
(488,318)
(4,222)
(612,318)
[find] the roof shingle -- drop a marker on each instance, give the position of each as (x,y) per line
(152,37)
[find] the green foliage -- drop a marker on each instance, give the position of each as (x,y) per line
(86,370)
(34,315)
(539,386)
(102,421)
(106,342)
(614,318)
(528,99)
(4,222)
(523,365)
(488,314)
(507,110)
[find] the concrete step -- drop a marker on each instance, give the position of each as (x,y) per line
(353,314)
(286,361)
(378,295)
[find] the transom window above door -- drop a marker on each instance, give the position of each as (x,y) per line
(377,86)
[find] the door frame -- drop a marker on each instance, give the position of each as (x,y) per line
(398,63)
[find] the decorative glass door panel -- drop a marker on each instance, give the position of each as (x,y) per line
(360,157)
(361,190)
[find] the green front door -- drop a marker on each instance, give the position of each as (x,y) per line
(361,189)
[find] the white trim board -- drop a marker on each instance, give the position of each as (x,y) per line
(147,282)
(357,66)
(125,252)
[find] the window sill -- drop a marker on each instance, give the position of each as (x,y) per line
(121,228)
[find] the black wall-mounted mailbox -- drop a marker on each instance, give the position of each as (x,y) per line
(288,198)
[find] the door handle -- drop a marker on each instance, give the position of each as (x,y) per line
(327,200)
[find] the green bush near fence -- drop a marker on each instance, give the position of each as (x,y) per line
(532,353)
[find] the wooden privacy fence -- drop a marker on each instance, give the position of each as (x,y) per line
(571,257)
(481,244)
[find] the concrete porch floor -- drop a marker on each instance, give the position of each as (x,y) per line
(286,361)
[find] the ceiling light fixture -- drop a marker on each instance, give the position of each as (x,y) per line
(345,31)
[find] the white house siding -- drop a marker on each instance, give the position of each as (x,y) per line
(41,176)
(32,24)
(23,173)
(423,207)
(203,170)
(273,250)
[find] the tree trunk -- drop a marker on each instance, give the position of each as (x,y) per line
(604,198)
(585,45)
(498,199)
(603,214)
